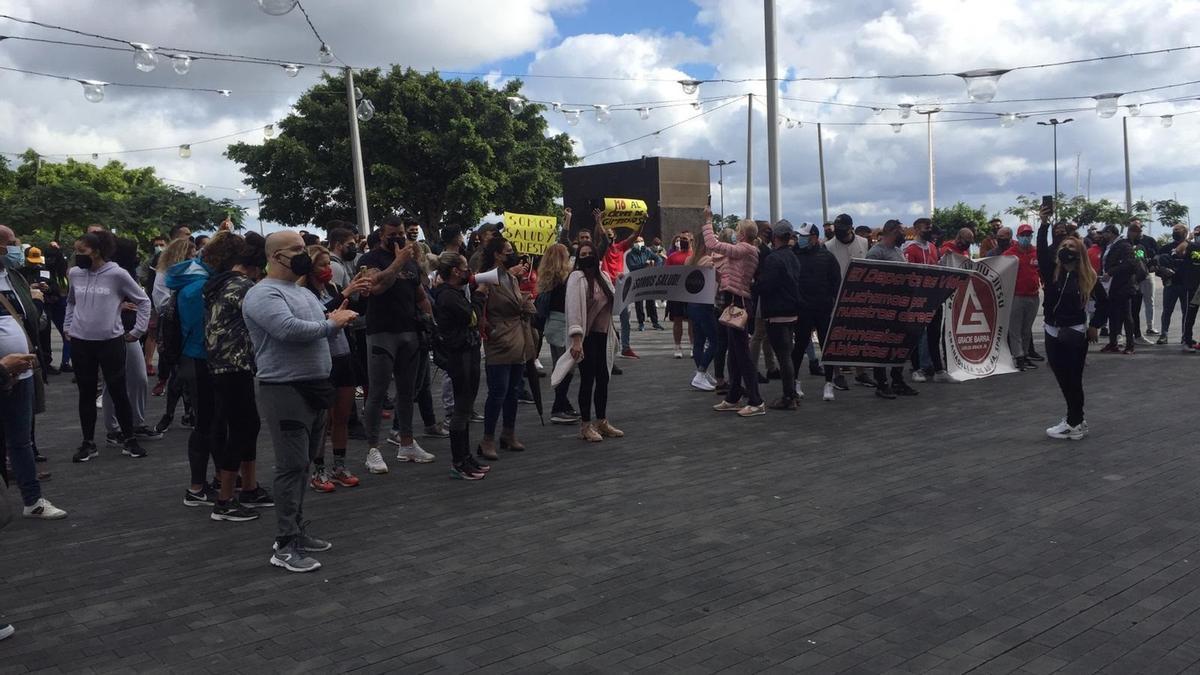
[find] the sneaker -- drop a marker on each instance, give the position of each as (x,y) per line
(784,404)
(464,471)
(258,498)
(865,380)
(320,482)
(699,381)
(1142,341)
(1058,428)
(1162,339)
(145,433)
(607,430)
(919,376)
(1151,331)
(827,393)
(413,453)
(1075,433)
(86,451)
(678,352)
(563,417)
(164,423)
(615,371)
(1034,356)
(359,393)
(438,430)
(943,377)
(6,630)
(628,353)
(1128,349)
(39,457)
(753,411)
(587,432)
(133,449)
(342,476)
(159,388)
(839,382)
(100,402)
(476,417)
(188,421)
(799,391)
(884,391)
(725,406)
(1026,364)
(232,511)
(201,498)
(1110,349)
(1188,348)
(658,326)
(310,544)
(537,363)
(902,389)
(113,439)
(44,510)
(526,397)
(292,559)
(375,463)
(762,379)
(711,380)
(474,464)
(641,327)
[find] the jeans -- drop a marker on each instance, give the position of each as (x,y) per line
(1067,355)
(391,355)
(704,334)
(16,416)
(504,390)
(1175,294)
(297,432)
(1146,288)
(463,370)
(625,328)
(1020,324)
(193,373)
(593,377)
(780,337)
(91,358)
(743,373)
(137,388)
(646,307)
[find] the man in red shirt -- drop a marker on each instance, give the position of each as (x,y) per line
(961,244)
(677,312)
(927,359)
(612,263)
(1025,299)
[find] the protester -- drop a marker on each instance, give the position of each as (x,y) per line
(342,251)
(1144,252)
(32,267)
(677,312)
(1117,266)
(735,284)
(168,360)
(1002,242)
(589,304)
(722,351)
(640,257)
(458,321)
(55,299)
(704,325)
(927,360)
(820,278)
(1179,268)
(552,296)
(961,244)
(1025,298)
(888,249)
(137,384)
(845,246)
(777,286)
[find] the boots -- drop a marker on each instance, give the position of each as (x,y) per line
(588,433)
(607,430)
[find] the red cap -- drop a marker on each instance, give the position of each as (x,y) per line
(1024,229)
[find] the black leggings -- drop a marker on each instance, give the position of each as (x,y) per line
(463,369)
(198,384)
(593,375)
(1067,355)
(92,357)
(235,420)
(1119,317)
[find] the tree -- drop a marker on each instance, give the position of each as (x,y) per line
(1026,208)
(951,219)
(724,222)
(437,150)
(1170,212)
(1083,212)
(1142,211)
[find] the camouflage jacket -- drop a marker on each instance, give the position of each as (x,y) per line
(225,334)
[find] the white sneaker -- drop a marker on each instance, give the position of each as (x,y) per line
(919,376)
(375,463)
(943,377)
(799,391)
(1058,428)
(1072,433)
(44,510)
(711,380)
(699,381)
(537,363)
(413,453)
(827,394)
(678,352)
(100,402)
(394,438)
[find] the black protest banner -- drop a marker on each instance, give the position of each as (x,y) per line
(882,311)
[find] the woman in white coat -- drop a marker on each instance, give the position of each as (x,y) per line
(593,341)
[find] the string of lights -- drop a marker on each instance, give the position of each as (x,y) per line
(93,90)
(185,149)
(325,54)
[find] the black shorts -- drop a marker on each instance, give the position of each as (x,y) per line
(342,374)
(677,310)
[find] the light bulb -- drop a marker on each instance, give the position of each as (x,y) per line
(95,155)
(1134,110)
(644,113)
(556,105)
(877,111)
(896,127)
(1167,121)
(325,55)
(515,104)
(277,7)
(292,69)
(905,110)
(203,186)
(365,110)
(981,84)
(602,113)
(791,123)
(269,131)
(1008,119)
(572,116)
(93,90)
(690,86)
(185,151)
(144,57)
(1106,105)
(224,92)
(182,63)
(696,105)
(358,94)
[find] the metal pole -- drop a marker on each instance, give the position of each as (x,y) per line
(721,184)
(1077,174)
(749,157)
(1055,127)
(260,225)
(772,113)
(360,181)
(1128,184)
(1089,185)
(929,141)
(821,163)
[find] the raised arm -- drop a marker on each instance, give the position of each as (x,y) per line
(274,316)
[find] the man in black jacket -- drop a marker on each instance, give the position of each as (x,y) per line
(820,278)
(1146,249)
(1183,259)
(1116,276)
(777,287)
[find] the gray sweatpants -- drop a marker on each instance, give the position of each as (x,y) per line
(1020,324)
(297,432)
(391,355)
(137,386)
(1146,288)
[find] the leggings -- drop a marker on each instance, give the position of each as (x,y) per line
(392,355)
(91,358)
(593,377)
(721,352)
(236,419)
(743,376)
(1067,355)
(137,387)
(504,382)
(193,373)
(463,369)
(562,392)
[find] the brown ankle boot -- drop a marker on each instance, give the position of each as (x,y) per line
(607,430)
(588,433)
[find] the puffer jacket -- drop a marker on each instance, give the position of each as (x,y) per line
(187,279)
(510,337)
(741,263)
(226,338)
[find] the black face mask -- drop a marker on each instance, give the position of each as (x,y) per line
(1176,237)
(511,260)
(395,241)
(83,262)
(349,251)
(588,264)
(1067,256)
(300,264)
(844,236)
(685,245)
(927,235)
(1003,244)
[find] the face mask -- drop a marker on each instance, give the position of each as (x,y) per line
(844,236)
(685,245)
(927,235)
(349,251)
(159,249)
(639,245)
(300,264)
(802,242)
(1067,256)
(14,257)
(588,264)
(512,260)
(1003,244)
(83,262)
(1025,239)
(1176,236)
(733,238)
(325,275)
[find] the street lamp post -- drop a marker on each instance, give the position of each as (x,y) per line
(1053,123)
(929,112)
(721,164)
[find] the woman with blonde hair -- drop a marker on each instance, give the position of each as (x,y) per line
(704,325)
(1069,282)
(176,252)
(740,265)
(552,277)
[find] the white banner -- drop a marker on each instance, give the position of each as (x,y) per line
(676,283)
(975,319)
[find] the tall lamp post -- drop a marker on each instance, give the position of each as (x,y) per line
(721,164)
(929,112)
(1053,122)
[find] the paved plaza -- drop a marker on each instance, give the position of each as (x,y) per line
(943,533)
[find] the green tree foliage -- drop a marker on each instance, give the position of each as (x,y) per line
(44,201)
(1170,212)
(951,219)
(438,150)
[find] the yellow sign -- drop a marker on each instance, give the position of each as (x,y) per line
(624,213)
(530,235)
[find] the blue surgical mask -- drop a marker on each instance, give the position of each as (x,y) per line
(1025,240)
(14,257)
(802,242)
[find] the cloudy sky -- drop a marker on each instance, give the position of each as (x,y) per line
(640,48)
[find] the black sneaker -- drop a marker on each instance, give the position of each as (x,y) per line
(258,498)
(762,379)
(902,389)
(113,439)
(477,465)
(1162,339)
(133,449)
(464,471)
(66,368)
(39,457)
(1034,356)
(86,451)
(865,380)
(563,417)
(145,433)
(188,421)
(232,511)
(617,371)
(839,382)
(205,497)
(164,423)
(884,391)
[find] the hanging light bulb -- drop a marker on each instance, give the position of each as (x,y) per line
(202,186)
(357,94)
(690,86)
(644,113)
(877,111)
(182,63)
(696,105)
(144,57)
(1008,119)
(896,127)
(224,92)
(905,110)
(572,116)
(791,123)
(292,69)
(1167,121)
(1106,105)
(93,90)
(981,84)
(95,155)
(269,131)
(365,110)
(602,114)
(1134,110)
(277,7)
(325,55)
(185,151)
(556,106)
(515,104)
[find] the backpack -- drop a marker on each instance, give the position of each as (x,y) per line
(170,331)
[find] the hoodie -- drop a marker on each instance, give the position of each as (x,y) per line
(94,303)
(186,279)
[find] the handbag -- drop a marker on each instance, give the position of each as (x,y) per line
(734,316)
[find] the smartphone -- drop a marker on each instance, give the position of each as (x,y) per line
(45,274)
(1048,202)
(710,199)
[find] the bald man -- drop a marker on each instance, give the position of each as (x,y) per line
(289,330)
(961,244)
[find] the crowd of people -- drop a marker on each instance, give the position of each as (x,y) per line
(291,332)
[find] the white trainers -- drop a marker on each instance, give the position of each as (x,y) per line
(799,391)
(699,381)
(919,376)
(375,463)
(1058,428)
(711,380)
(413,453)
(678,352)
(827,394)
(1069,432)
(44,510)
(943,377)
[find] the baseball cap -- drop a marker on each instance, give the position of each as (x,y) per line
(33,255)
(1111,229)
(807,230)
(843,220)
(1024,229)
(783,228)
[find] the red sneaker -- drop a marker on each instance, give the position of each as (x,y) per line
(320,481)
(342,476)
(629,353)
